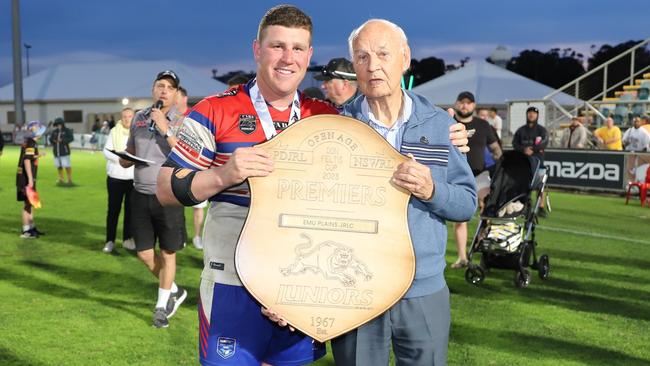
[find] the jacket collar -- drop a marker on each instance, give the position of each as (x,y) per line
(421,112)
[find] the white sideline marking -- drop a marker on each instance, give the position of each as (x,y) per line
(592,234)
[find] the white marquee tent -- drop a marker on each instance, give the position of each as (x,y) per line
(490,84)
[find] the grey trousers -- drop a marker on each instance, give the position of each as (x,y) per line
(417,328)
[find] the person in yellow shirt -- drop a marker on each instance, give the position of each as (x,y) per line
(609,135)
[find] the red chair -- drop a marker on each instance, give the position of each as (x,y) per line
(643,189)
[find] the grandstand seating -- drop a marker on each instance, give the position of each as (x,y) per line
(623,113)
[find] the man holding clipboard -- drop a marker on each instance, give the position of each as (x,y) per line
(152,136)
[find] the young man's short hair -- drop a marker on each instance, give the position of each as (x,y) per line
(237,79)
(287,16)
(182,91)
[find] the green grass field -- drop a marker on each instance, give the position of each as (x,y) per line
(64,302)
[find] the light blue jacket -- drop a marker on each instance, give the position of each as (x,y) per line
(426,136)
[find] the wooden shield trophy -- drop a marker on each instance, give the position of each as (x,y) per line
(326,241)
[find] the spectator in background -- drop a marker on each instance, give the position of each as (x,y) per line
(61,138)
(636,138)
(198,212)
(576,136)
(26,177)
(236,80)
(119,183)
(645,123)
(97,125)
(490,163)
(314,92)
(481,138)
(532,139)
(102,134)
(609,135)
(339,82)
(495,121)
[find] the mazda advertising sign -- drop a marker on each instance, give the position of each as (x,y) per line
(585,169)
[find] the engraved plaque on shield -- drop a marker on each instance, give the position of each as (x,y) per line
(326,241)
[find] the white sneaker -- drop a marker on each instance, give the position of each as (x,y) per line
(108,247)
(197,243)
(128,244)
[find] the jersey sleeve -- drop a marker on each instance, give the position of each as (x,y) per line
(196,146)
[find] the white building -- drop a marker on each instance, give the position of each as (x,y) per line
(79,93)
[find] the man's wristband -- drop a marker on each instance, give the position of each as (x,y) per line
(182,186)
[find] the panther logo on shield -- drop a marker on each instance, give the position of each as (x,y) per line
(333,260)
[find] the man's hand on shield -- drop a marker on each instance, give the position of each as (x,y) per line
(247,162)
(415,177)
(276,318)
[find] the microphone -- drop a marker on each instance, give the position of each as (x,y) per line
(157,105)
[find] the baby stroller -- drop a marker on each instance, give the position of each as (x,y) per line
(505,235)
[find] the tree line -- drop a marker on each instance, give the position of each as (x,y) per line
(554,68)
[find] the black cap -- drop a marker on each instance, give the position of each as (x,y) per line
(169,74)
(466,95)
(337,68)
(58,121)
(532,109)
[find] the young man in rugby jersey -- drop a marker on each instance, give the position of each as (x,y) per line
(212,159)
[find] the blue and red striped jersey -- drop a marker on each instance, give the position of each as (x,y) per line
(221,123)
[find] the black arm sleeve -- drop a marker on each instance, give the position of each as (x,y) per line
(182,186)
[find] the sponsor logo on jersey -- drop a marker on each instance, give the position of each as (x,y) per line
(217,265)
(226,347)
(280,125)
(189,141)
(247,123)
(228,93)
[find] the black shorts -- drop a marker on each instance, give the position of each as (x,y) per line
(150,221)
(21,194)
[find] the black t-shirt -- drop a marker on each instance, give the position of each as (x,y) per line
(28,151)
(482,137)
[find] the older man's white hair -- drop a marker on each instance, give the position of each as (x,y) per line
(355,34)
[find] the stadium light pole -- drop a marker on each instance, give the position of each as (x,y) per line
(19,113)
(27,47)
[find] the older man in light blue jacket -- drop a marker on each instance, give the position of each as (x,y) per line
(442,187)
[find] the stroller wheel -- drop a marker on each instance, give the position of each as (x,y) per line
(522,278)
(543,267)
(474,274)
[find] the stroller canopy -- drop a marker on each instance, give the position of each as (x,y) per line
(512,180)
